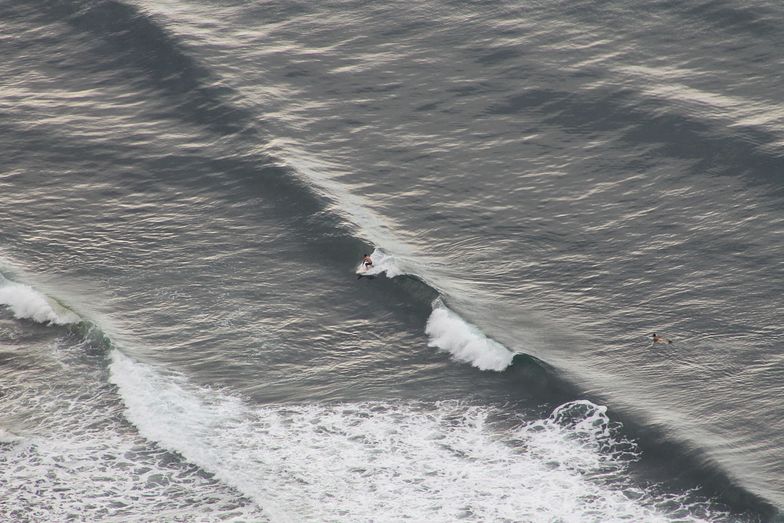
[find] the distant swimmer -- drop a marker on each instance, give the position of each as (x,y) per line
(366,261)
(655,338)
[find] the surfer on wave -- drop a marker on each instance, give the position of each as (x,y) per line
(364,267)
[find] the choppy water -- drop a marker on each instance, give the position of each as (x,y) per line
(186,189)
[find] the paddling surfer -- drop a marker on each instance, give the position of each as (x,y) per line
(655,338)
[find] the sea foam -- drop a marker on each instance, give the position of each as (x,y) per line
(394,461)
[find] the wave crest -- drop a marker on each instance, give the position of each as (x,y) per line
(466,343)
(27,303)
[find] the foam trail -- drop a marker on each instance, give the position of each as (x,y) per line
(466,343)
(25,302)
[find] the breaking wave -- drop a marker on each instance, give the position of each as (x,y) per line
(27,303)
(465,342)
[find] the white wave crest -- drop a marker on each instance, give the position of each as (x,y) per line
(466,343)
(25,302)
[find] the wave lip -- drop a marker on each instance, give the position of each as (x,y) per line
(465,342)
(27,303)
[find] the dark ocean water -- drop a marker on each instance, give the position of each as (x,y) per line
(186,190)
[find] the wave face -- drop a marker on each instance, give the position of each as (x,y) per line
(188,188)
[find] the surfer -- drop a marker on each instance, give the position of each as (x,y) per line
(367,263)
(655,338)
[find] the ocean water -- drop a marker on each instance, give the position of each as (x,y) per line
(186,191)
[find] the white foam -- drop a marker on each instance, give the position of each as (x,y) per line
(383,263)
(25,302)
(392,461)
(7,436)
(466,343)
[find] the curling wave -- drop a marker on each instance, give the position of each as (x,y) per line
(465,342)
(27,303)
